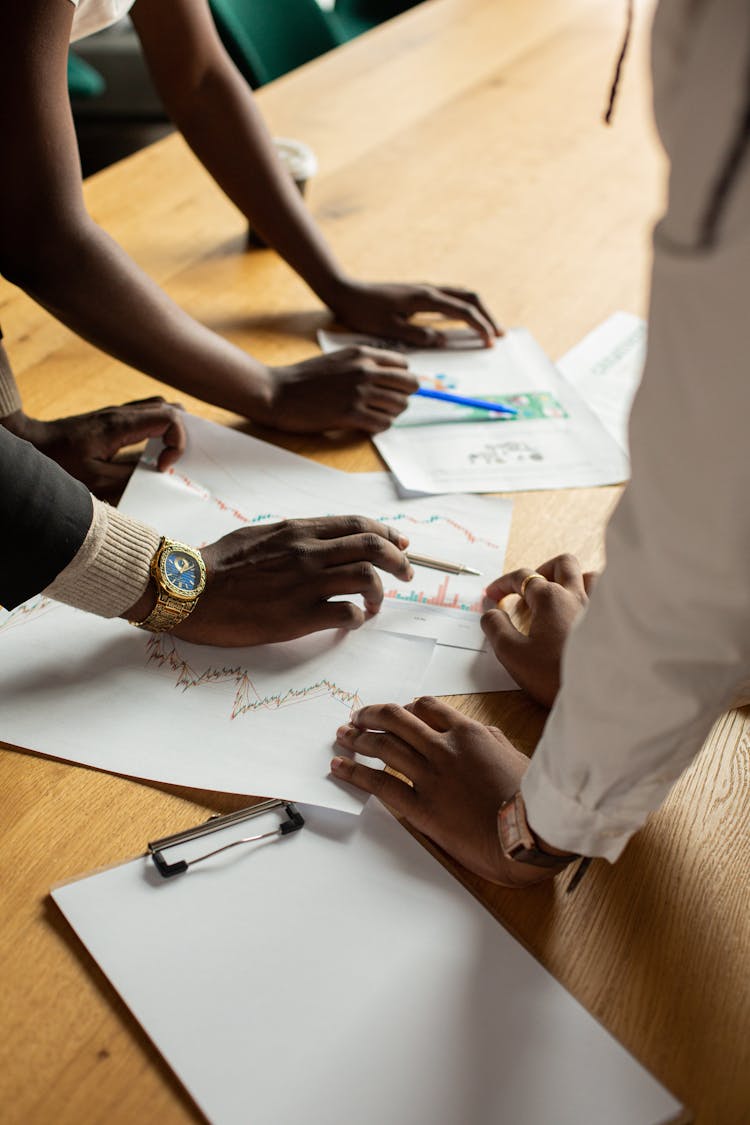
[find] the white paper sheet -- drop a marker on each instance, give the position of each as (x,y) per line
(227,480)
(606,367)
(555,441)
(250,720)
(463,671)
(256,720)
(342,975)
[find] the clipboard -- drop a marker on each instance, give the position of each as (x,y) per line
(155,849)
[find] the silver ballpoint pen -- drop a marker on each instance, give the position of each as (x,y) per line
(439,564)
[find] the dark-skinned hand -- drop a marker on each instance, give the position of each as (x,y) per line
(86,445)
(554,602)
(274,583)
(385,309)
(357,388)
(461,772)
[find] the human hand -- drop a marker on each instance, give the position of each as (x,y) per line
(85,445)
(354,388)
(273,583)
(554,601)
(461,772)
(386,310)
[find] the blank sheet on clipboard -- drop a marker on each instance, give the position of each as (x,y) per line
(343,975)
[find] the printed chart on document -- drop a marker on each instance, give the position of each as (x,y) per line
(253,720)
(232,480)
(553,440)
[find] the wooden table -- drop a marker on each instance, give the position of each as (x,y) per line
(462,142)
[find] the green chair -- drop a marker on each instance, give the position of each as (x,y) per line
(353,17)
(267,38)
(83,81)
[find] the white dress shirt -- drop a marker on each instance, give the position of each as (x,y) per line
(666,638)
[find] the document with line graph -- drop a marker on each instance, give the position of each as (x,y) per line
(552,439)
(258,720)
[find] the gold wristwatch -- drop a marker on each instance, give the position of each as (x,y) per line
(180,576)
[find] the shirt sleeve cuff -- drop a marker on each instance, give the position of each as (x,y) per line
(10,399)
(564,823)
(111,570)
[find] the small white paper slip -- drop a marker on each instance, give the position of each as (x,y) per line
(462,671)
(342,975)
(605,367)
(554,440)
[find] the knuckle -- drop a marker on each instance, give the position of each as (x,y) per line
(349,614)
(380,782)
(290,528)
(373,545)
(366,573)
(355,525)
(300,551)
(567,560)
(390,710)
(546,594)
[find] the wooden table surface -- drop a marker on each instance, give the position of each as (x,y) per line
(460,143)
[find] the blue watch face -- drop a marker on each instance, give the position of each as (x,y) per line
(182,571)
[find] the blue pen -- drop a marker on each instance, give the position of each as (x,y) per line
(461,400)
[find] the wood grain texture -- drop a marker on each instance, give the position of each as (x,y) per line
(461,142)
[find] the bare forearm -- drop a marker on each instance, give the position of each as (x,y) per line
(256,182)
(89,283)
(241,157)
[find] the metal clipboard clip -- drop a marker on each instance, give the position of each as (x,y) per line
(294,821)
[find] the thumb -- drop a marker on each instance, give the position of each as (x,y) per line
(507,642)
(132,424)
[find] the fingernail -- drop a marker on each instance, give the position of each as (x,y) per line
(409,573)
(342,732)
(403,541)
(339,765)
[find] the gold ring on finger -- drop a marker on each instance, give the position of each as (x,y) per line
(530,578)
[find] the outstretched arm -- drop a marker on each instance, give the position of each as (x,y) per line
(52,248)
(213,107)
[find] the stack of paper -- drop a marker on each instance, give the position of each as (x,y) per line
(254,720)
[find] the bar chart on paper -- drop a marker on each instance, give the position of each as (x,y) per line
(444,596)
(469,532)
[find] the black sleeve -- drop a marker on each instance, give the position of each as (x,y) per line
(45,516)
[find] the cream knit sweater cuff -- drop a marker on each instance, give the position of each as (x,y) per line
(111,569)
(10,399)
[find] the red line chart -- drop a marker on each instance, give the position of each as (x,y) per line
(432,520)
(163,652)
